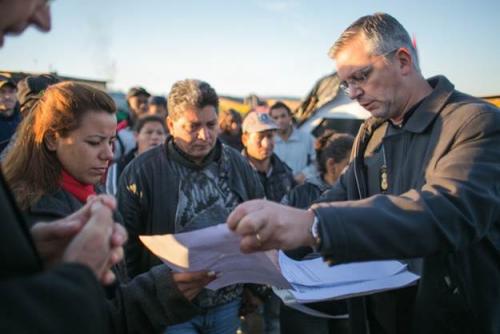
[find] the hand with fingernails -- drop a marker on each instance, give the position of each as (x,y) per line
(265,225)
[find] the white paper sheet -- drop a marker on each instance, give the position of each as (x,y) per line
(309,294)
(216,249)
(316,272)
(287,297)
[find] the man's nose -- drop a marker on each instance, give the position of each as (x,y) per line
(203,134)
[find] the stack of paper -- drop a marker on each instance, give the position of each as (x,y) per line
(218,249)
(314,280)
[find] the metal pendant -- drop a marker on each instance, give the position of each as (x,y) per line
(384,179)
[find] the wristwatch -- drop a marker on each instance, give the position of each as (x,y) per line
(315,231)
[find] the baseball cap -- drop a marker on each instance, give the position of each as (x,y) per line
(257,122)
(158,100)
(29,88)
(5,80)
(136,91)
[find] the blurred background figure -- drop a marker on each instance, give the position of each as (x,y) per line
(332,153)
(230,128)
(258,140)
(293,146)
(9,111)
(149,131)
(259,131)
(28,92)
(137,102)
(30,88)
(157,105)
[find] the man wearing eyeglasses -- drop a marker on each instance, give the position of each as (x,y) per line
(423,182)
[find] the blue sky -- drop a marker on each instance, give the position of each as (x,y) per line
(273,47)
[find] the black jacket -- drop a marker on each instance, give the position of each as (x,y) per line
(279,182)
(302,196)
(148,195)
(146,304)
(64,299)
(443,204)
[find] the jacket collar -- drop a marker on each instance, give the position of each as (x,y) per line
(177,155)
(431,105)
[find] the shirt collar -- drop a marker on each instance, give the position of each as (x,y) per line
(430,107)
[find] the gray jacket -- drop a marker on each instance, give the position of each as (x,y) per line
(443,204)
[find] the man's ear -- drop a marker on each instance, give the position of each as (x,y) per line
(244,139)
(405,60)
(330,164)
(50,141)
(170,124)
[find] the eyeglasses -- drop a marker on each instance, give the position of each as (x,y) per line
(357,79)
(360,77)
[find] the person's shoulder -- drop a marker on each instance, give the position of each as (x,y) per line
(144,162)
(467,107)
(54,205)
(233,155)
(303,134)
(307,187)
(280,165)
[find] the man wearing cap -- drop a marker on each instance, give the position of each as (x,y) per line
(158,106)
(189,182)
(137,101)
(259,131)
(9,114)
(277,179)
(28,91)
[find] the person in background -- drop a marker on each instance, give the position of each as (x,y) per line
(47,268)
(293,146)
(259,131)
(149,131)
(189,182)
(67,144)
(137,101)
(332,156)
(9,113)
(423,185)
(28,90)
(230,128)
(258,136)
(157,105)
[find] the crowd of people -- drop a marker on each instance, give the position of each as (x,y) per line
(418,184)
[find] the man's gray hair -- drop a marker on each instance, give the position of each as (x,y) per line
(190,93)
(382,31)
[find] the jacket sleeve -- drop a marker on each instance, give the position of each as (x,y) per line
(149,303)
(67,298)
(131,205)
(457,206)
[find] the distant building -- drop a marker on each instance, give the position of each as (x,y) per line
(16,76)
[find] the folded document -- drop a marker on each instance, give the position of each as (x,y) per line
(217,249)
